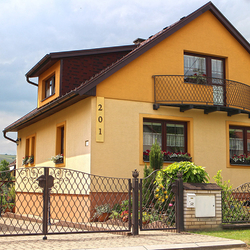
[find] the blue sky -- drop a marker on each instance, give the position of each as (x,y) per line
(31,29)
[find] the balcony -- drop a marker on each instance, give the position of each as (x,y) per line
(201,92)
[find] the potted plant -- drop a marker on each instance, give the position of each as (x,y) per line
(24,161)
(8,207)
(57,159)
(103,212)
(30,160)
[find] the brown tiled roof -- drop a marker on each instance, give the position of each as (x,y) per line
(88,87)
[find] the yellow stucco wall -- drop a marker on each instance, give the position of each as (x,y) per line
(134,84)
(77,120)
(121,151)
(204,35)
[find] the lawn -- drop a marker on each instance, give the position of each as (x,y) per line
(235,234)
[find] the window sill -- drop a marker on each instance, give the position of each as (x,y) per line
(177,160)
(59,165)
(47,98)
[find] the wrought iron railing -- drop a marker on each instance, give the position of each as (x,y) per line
(236,205)
(201,90)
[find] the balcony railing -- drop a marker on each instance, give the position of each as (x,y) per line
(202,92)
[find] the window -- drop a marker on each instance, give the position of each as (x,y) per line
(60,141)
(170,135)
(29,158)
(49,87)
(206,66)
(239,144)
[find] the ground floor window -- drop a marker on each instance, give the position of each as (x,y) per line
(170,135)
(60,143)
(29,158)
(239,145)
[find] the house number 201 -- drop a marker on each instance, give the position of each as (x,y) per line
(100,119)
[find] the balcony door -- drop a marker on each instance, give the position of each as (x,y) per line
(209,71)
(217,71)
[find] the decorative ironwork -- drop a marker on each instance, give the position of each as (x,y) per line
(56,200)
(157,202)
(202,91)
(61,201)
(236,205)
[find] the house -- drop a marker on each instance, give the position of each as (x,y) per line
(99,110)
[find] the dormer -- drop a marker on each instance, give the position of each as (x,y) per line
(49,85)
(61,72)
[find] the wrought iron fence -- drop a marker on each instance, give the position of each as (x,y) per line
(61,201)
(236,205)
(201,90)
(55,200)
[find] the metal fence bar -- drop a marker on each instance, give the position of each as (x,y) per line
(135,228)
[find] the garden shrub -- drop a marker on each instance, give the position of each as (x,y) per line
(191,173)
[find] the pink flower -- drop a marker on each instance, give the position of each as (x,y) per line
(170,205)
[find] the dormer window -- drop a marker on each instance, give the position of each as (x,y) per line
(49,89)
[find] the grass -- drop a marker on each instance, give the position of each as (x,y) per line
(235,234)
(8,158)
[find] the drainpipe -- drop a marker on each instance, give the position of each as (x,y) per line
(28,80)
(8,138)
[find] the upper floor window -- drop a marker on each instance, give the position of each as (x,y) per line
(170,135)
(204,66)
(49,87)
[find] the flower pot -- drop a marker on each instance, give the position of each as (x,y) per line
(59,161)
(103,217)
(7,210)
(144,222)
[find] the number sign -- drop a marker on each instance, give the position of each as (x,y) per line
(100,119)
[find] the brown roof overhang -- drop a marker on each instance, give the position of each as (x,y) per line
(157,38)
(48,60)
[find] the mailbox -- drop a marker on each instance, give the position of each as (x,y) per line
(41,179)
(191,200)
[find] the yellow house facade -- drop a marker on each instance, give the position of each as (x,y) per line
(188,86)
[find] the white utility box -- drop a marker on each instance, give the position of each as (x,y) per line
(205,206)
(190,200)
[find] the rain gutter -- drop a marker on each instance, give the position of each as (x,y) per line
(28,80)
(8,138)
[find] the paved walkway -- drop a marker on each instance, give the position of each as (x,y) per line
(145,241)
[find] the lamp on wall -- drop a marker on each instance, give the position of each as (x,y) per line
(18,141)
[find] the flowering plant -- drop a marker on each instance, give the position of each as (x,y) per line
(240,159)
(58,158)
(30,159)
(161,193)
(25,160)
(197,78)
(170,156)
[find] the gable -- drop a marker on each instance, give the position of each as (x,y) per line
(203,35)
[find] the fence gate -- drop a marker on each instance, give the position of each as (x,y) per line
(44,200)
(236,205)
(54,200)
(161,202)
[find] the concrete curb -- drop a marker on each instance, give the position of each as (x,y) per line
(230,244)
